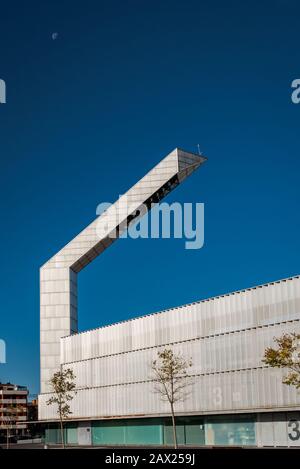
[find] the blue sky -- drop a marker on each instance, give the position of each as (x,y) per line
(90,112)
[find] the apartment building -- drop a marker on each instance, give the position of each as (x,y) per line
(13,408)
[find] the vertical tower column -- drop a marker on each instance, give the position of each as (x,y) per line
(58,315)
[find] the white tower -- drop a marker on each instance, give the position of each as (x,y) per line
(58,277)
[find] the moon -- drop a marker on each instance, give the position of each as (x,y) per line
(54,36)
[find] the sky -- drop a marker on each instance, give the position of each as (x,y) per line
(91,109)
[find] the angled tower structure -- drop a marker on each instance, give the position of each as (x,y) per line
(58,276)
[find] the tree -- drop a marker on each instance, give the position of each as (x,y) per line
(171,379)
(63,385)
(286,355)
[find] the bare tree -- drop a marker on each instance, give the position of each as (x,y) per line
(63,388)
(11,419)
(8,423)
(171,379)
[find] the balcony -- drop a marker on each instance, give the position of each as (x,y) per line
(13,401)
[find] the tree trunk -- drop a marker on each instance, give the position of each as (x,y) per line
(174,427)
(62,432)
(7,437)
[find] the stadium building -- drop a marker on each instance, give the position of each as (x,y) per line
(234,400)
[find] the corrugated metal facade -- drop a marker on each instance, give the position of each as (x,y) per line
(225,337)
